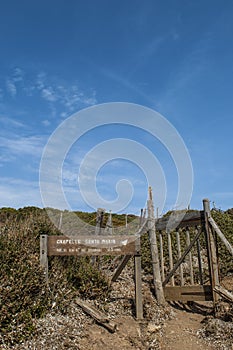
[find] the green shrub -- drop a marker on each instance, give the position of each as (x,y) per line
(225,223)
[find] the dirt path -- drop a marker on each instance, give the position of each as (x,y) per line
(181,332)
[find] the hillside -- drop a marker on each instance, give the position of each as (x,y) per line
(29,308)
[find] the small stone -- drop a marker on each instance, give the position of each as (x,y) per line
(152,328)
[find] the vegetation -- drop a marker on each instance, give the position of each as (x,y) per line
(24,295)
(225,223)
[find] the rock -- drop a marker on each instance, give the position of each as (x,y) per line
(153,328)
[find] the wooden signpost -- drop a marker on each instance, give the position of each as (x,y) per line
(90,245)
(96,245)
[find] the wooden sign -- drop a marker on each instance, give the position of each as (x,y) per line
(91,245)
(127,245)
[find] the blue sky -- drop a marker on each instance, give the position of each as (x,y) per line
(59,57)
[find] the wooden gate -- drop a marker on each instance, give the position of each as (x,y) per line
(187,254)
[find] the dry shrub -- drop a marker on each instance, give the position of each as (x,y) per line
(24,295)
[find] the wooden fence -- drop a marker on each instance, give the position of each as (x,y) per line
(183,253)
(188,258)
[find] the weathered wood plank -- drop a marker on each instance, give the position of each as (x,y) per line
(154,251)
(221,235)
(190,257)
(224,293)
(44,255)
(99,220)
(211,249)
(98,315)
(92,245)
(199,261)
(138,287)
(161,255)
(179,221)
(179,255)
(170,256)
(120,268)
(109,229)
(188,293)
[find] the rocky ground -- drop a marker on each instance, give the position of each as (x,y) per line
(171,327)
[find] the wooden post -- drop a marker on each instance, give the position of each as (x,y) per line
(161,255)
(99,220)
(154,251)
(138,281)
(144,214)
(44,255)
(141,218)
(211,249)
(190,257)
(179,255)
(138,287)
(108,228)
(169,242)
(199,261)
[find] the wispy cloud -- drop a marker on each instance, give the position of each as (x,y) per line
(11,87)
(59,94)
(13,80)
(32,145)
(18,74)
(70,176)
(41,79)
(68,97)
(19,193)
(46,122)
(11,122)
(6,158)
(49,94)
